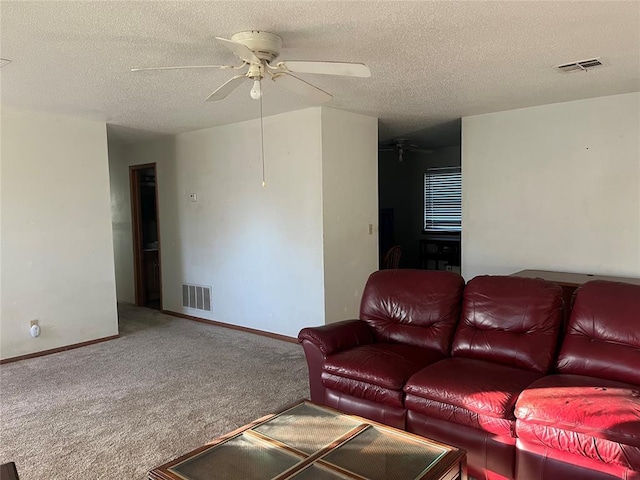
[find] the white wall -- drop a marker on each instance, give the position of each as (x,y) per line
(57,250)
(294,254)
(350,204)
(121,224)
(555,187)
(260,249)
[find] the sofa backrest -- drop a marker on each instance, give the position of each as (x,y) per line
(603,334)
(510,320)
(413,307)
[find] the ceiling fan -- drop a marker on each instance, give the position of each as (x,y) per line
(401,146)
(258,50)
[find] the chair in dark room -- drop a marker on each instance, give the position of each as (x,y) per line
(392,258)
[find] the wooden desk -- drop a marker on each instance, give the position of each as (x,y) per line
(572,279)
(569,282)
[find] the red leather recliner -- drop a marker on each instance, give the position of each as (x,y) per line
(487,387)
(506,340)
(407,320)
(588,414)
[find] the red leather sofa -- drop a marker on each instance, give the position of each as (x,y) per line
(489,367)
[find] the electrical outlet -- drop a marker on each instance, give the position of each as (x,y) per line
(371,229)
(33,322)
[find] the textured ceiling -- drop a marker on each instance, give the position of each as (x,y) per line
(431,62)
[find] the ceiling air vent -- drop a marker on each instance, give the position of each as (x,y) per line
(581,66)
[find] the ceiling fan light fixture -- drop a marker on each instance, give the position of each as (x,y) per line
(256,91)
(257,49)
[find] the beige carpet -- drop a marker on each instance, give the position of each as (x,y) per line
(117,409)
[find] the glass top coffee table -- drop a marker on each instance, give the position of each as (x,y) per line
(312,442)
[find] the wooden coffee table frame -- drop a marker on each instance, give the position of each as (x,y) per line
(452,466)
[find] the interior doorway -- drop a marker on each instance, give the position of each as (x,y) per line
(386,235)
(146,238)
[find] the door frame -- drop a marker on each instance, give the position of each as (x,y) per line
(136,230)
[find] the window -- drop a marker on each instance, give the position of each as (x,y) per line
(443,199)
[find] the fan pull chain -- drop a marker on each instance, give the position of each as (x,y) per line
(264,183)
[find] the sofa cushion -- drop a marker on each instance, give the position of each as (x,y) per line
(587,416)
(386,365)
(376,372)
(413,307)
(475,387)
(362,390)
(603,335)
(505,427)
(510,320)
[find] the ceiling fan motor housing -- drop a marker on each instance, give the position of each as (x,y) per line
(265,45)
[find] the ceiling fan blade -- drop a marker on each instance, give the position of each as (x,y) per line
(226,88)
(143,69)
(327,68)
(240,50)
(305,89)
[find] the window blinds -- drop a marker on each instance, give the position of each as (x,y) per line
(443,199)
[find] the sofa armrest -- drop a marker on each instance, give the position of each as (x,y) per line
(336,337)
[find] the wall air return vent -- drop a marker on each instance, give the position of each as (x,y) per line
(196,296)
(581,66)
